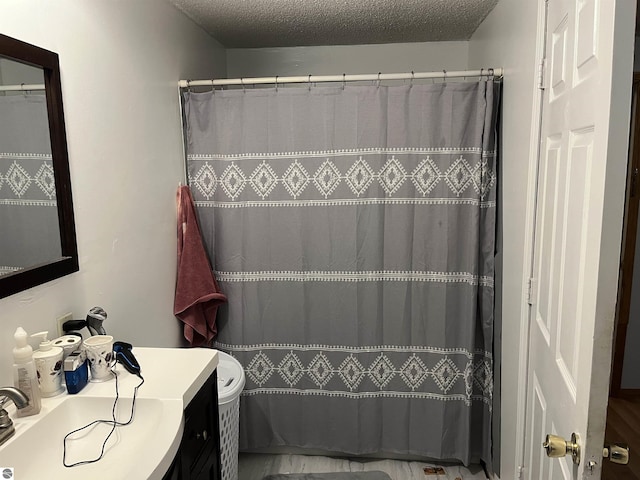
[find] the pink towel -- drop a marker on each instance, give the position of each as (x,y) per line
(197,294)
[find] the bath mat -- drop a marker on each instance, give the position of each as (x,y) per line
(330,476)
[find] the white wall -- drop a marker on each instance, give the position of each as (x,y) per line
(507,38)
(120,63)
(349,59)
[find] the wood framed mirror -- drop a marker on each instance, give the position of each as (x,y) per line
(37,239)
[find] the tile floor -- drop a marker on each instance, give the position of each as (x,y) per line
(254,466)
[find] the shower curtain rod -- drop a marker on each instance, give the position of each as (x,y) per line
(21,87)
(489,72)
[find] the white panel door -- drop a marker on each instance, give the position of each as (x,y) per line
(578,230)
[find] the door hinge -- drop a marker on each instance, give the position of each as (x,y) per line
(521,472)
(531,291)
(541,74)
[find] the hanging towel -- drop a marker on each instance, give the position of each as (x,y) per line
(197,294)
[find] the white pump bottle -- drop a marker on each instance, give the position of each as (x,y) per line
(25,376)
(49,366)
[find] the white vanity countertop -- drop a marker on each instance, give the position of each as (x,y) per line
(169,373)
(143,449)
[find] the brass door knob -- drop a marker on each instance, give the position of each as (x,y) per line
(616,453)
(559,447)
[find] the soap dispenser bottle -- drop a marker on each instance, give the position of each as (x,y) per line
(25,376)
(49,366)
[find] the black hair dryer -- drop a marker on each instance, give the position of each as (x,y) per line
(125,356)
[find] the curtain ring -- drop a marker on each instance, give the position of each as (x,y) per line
(276,83)
(189,86)
(481,70)
(445,75)
(378,82)
(491,74)
(309,80)
(242,83)
(344,81)
(213,87)
(413,75)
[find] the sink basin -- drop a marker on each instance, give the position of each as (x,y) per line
(142,449)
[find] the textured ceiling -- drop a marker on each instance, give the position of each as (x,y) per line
(285,23)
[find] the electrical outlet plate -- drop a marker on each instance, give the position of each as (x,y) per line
(60,320)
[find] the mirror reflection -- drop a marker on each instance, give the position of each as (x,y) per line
(28,208)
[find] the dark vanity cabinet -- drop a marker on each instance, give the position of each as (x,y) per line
(199,455)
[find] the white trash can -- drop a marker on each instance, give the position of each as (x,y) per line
(231,381)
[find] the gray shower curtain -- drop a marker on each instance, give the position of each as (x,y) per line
(27,186)
(352,229)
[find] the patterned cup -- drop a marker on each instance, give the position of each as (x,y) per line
(99,349)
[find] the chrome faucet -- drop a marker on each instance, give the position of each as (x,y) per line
(21,401)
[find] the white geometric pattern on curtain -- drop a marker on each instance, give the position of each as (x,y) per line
(27,180)
(353,231)
(359,176)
